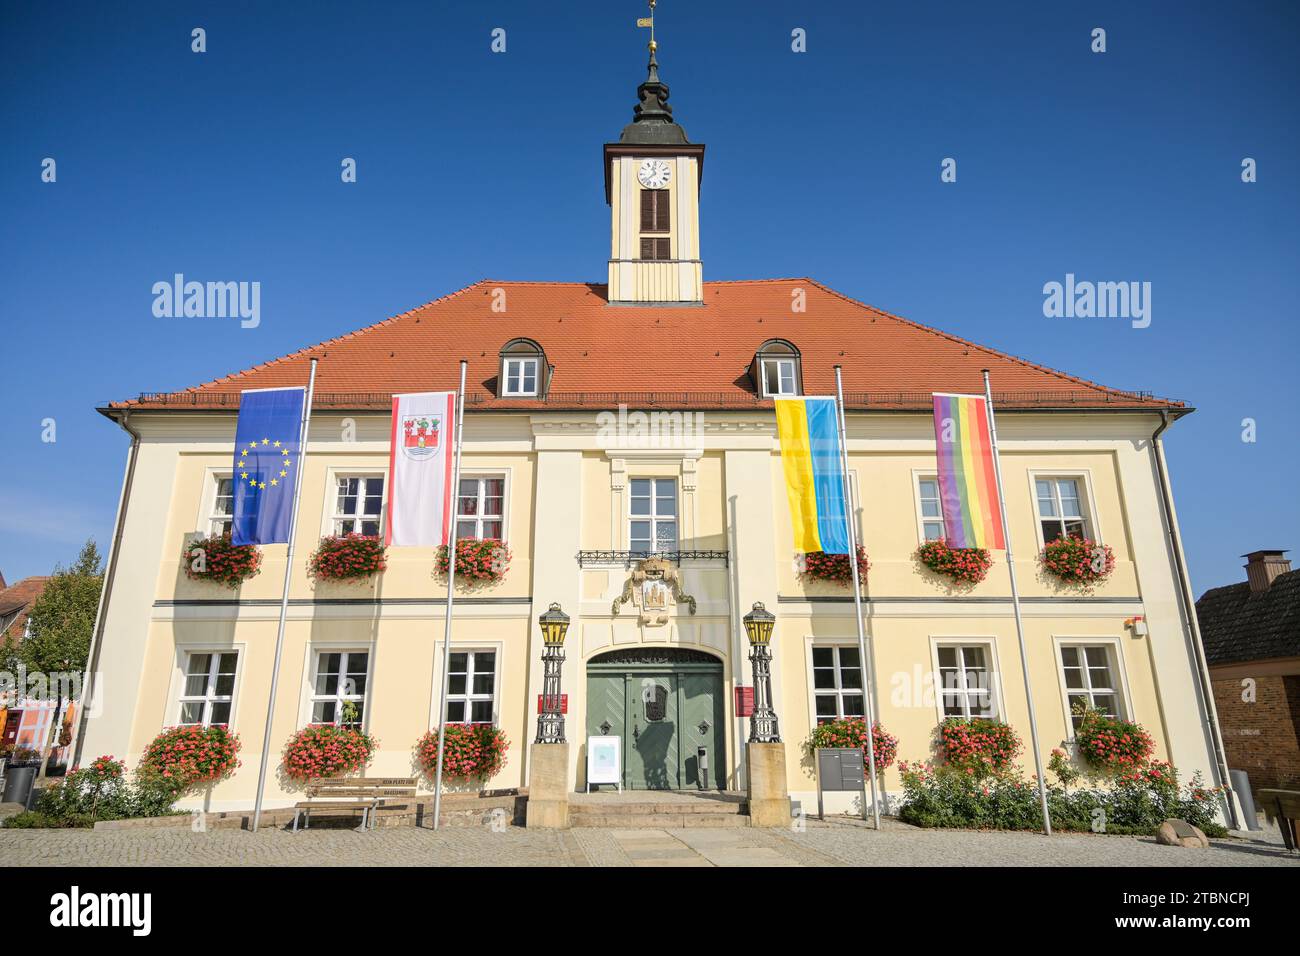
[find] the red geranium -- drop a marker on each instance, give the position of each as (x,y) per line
(324,750)
(852,732)
(192,755)
(477,559)
(820,566)
(1110,744)
(979,746)
(344,557)
(1078,560)
(968,565)
(472,750)
(215,559)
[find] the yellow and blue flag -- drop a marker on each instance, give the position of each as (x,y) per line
(266,460)
(814,473)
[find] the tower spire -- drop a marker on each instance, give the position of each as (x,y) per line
(652,117)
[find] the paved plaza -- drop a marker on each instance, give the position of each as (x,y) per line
(833,843)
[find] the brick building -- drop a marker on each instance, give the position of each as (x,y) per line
(1251,632)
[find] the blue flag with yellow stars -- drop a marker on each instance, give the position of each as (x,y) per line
(266,461)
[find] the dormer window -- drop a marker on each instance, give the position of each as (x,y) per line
(777,371)
(523,369)
(521,377)
(779,376)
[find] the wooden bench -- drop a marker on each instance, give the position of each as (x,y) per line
(1283,806)
(351,794)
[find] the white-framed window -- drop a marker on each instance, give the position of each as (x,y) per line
(521,376)
(221,513)
(480,507)
(966,681)
(837,683)
(358,504)
(929,507)
(1062,507)
(779,377)
(652,515)
(208,693)
(1091,677)
(338,687)
(471,687)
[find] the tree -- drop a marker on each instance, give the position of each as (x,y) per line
(62,620)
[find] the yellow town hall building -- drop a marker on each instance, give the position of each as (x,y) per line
(587,460)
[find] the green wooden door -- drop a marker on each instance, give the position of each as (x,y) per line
(665,704)
(605,705)
(702,728)
(653,756)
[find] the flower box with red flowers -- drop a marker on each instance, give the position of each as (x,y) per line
(1076,560)
(347,557)
(964,565)
(324,750)
(478,560)
(472,750)
(191,756)
(835,568)
(215,559)
(851,732)
(1110,744)
(978,746)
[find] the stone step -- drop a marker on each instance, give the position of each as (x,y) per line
(653,821)
(642,808)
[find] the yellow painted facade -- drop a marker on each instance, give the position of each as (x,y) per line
(567,490)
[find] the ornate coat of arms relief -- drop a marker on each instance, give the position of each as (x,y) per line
(653,587)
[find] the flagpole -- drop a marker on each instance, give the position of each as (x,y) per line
(284,595)
(1015,605)
(451,593)
(868,696)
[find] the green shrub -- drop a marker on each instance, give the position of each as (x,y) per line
(35,820)
(1136,803)
(101,791)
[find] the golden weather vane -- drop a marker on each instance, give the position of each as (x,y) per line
(650,22)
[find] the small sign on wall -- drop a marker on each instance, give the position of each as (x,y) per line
(744,702)
(564,703)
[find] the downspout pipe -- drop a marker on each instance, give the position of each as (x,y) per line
(1209,711)
(110,573)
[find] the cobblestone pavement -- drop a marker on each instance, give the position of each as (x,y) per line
(840,843)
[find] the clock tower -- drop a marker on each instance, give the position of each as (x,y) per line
(652,185)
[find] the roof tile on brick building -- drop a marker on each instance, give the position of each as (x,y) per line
(1239,625)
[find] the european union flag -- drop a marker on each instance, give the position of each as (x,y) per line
(266,460)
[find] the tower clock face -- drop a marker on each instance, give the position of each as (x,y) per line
(654,174)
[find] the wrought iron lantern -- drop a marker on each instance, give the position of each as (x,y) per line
(758,625)
(555,625)
(762,722)
(550,722)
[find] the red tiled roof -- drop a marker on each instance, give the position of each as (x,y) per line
(680,356)
(20,597)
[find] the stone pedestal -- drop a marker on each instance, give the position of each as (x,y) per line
(769,797)
(548,787)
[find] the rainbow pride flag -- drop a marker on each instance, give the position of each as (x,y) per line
(814,474)
(968,489)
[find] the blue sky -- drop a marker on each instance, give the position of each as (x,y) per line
(225,165)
